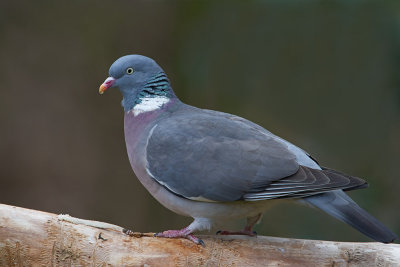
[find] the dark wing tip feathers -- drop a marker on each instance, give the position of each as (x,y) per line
(307,182)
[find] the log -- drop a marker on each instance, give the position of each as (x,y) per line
(35,238)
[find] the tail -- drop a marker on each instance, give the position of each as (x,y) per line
(341,206)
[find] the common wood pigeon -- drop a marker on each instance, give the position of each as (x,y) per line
(216,167)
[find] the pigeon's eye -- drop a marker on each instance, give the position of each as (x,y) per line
(129,70)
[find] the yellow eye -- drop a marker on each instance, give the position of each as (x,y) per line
(129,70)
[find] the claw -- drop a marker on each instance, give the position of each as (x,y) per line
(201,242)
(195,240)
(127,232)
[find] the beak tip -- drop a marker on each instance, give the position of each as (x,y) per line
(107,84)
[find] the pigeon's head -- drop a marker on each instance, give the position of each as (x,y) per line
(137,77)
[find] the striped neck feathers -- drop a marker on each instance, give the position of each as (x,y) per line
(154,94)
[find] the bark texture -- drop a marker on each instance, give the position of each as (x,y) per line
(35,238)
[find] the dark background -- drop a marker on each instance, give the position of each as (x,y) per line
(321,74)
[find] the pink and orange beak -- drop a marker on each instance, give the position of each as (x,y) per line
(106,84)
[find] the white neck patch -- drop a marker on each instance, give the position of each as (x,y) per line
(149,104)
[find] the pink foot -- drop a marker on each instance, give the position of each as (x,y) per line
(243,232)
(185,233)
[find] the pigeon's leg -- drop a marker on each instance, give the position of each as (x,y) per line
(247,230)
(196,225)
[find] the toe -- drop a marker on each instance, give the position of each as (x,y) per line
(196,240)
(223,232)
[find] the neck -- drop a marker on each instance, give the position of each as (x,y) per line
(156,92)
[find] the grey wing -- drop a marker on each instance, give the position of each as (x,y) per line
(212,156)
(207,157)
(302,157)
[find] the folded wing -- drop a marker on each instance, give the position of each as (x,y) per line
(213,156)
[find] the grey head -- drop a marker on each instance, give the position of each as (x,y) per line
(137,77)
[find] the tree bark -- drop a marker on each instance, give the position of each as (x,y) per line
(35,238)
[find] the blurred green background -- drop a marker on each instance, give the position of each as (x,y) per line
(321,74)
